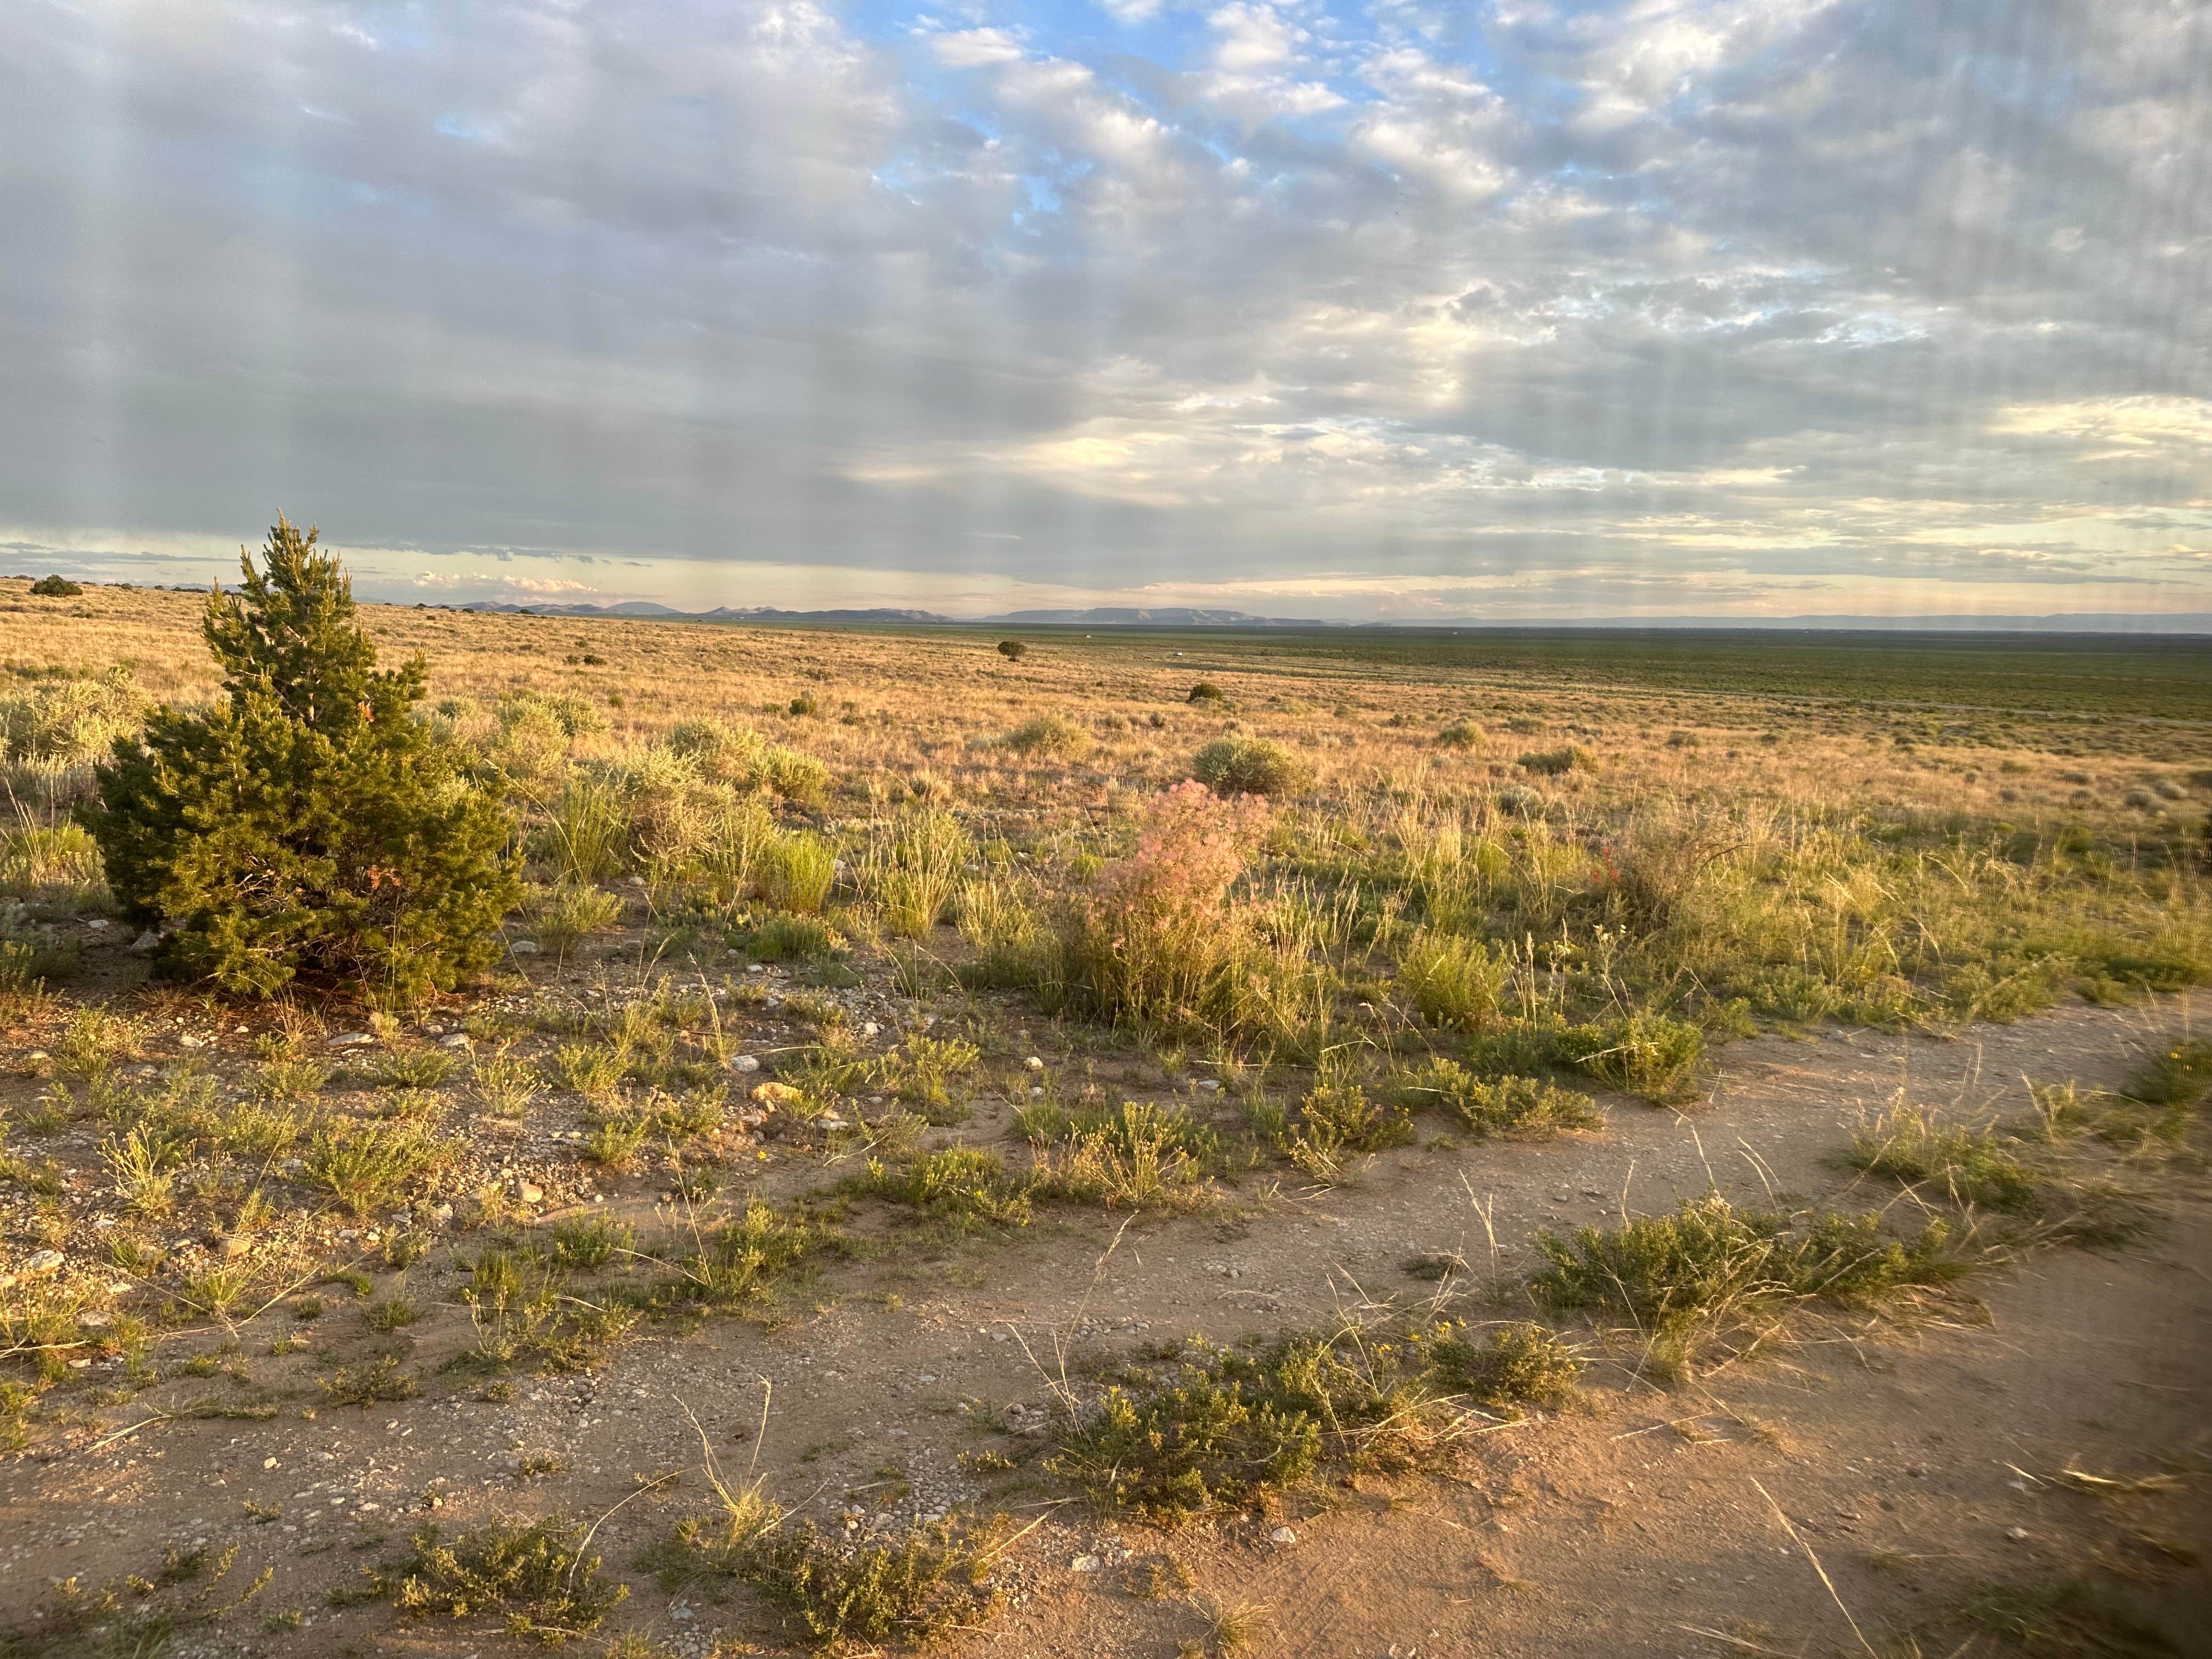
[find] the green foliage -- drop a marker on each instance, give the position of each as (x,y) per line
(796,870)
(364,1164)
(1514,1364)
(961,1184)
(914,870)
(309,824)
(1501,1105)
(1206,691)
(1555,762)
(1049,737)
(1135,1155)
(1250,765)
(2179,1074)
(781,936)
(1648,1054)
(1463,734)
(1452,980)
(1012,650)
(1688,1278)
(1229,1424)
(534,1578)
(56,587)
(572,912)
(1967,1165)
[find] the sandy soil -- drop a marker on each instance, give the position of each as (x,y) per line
(1908,1462)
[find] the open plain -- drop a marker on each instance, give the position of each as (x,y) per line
(1145,1143)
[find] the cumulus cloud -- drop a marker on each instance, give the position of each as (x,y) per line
(1659,304)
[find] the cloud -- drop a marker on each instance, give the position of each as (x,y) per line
(1712,294)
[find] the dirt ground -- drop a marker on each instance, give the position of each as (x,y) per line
(1846,1485)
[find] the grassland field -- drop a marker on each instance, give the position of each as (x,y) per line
(866,964)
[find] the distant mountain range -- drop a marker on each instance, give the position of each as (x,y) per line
(2077,622)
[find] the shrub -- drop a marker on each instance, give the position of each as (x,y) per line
(1250,765)
(309,824)
(959,1183)
(363,1164)
(1686,1277)
(1135,1155)
(1206,691)
(1153,940)
(1012,650)
(535,1577)
(915,871)
(56,587)
(1452,980)
(721,752)
(572,912)
(1646,1054)
(1049,737)
(1232,1424)
(1463,734)
(1500,1105)
(796,870)
(1520,1364)
(798,778)
(781,936)
(1969,1166)
(1552,762)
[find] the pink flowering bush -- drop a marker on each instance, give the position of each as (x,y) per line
(1157,939)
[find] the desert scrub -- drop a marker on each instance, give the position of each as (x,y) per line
(1710,1274)
(534,1578)
(1229,1424)
(1154,940)
(737,1264)
(1503,1105)
(1250,765)
(795,872)
(1520,1364)
(364,1164)
(1049,737)
(1453,980)
(1967,1165)
(921,1070)
(308,824)
(1645,1053)
(1134,1156)
(915,868)
(909,1588)
(572,912)
(961,1185)
(1554,763)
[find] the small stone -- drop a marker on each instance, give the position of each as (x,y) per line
(98,924)
(1034,1062)
(43,1262)
(234,1246)
(1036,1091)
(459,1040)
(351,1040)
(869,1027)
(531,1193)
(522,947)
(186,1040)
(774,1095)
(1209,1085)
(1283,1536)
(745,1063)
(2018,1534)
(147,940)
(1084,1564)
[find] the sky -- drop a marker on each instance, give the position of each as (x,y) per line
(1408,309)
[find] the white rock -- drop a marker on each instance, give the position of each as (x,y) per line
(1209,1085)
(1086,1564)
(459,1040)
(146,941)
(186,1040)
(98,924)
(745,1063)
(522,947)
(871,1029)
(1283,1536)
(1035,1063)
(43,1262)
(351,1040)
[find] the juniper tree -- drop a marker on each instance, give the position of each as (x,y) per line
(307,824)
